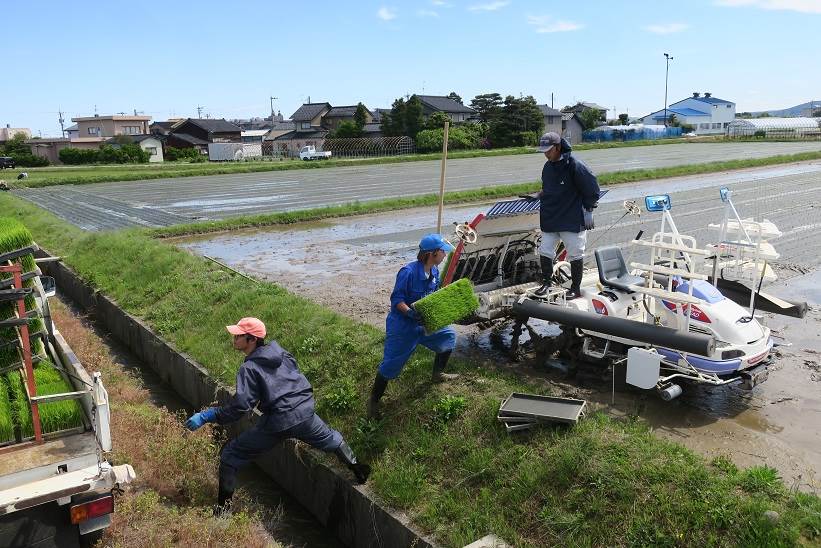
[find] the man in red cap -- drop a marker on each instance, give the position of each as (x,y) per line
(270,380)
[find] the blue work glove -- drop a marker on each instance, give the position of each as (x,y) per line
(588,220)
(198,419)
(414,315)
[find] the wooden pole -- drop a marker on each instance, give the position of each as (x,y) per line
(442,179)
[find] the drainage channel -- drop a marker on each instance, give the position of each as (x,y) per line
(294,525)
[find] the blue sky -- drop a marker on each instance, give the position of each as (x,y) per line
(167,58)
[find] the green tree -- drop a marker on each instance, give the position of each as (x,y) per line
(589,118)
(517,116)
(437,120)
(414,119)
(393,124)
(346,130)
(624,119)
(488,106)
(16,145)
(816,113)
(360,116)
(453,95)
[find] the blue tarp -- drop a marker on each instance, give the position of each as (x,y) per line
(627,133)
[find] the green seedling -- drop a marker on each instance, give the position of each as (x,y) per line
(450,304)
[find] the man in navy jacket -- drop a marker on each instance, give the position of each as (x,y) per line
(270,380)
(569,194)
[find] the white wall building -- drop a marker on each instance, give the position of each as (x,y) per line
(707,114)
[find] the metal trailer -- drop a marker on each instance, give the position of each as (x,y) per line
(56,489)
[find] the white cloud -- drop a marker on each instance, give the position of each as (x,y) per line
(386,14)
(491,6)
(546,23)
(427,13)
(440,3)
(803,6)
(669,28)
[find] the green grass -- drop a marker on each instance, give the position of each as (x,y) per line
(462,196)
(441,455)
(6,416)
(448,305)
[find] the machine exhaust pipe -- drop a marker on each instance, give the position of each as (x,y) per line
(666,337)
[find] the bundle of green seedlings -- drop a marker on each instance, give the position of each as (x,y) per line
(448,305)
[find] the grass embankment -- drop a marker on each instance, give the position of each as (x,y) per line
(79,175)
(464,196)
(170,502)
(440,455)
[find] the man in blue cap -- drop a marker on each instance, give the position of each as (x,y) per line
(569,194)
(404,331)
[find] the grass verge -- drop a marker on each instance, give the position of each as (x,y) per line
(441,456)
(462,196)
(170,502)
(79,175)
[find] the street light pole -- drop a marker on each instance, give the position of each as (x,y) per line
(667,58)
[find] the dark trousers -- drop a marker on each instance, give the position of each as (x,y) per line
(243,449)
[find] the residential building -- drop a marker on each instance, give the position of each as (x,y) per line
(337,115)
(8,132)
(572,127)
(582,106)
(103,127)
(308,117)
(150,143)
(707,114)
(552,119)
(438,103)
(199,132)
(72,132)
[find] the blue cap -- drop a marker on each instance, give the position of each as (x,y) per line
(432,242)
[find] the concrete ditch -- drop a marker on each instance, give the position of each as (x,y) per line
(346,510)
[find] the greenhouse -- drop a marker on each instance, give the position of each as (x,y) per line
(784,128)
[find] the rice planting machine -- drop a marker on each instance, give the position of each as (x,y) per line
(666,319)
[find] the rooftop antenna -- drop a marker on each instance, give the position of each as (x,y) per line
(199,111)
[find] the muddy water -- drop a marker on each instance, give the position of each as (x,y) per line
(349,266)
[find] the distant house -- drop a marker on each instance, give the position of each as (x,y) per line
(200,132)
(72,132)
(149,143)
(582,106)
(8,132)
(707,114)
(337,115)
(552,119)
(278,128)
(572,128)
(438,103)
(308,117)
(163,128)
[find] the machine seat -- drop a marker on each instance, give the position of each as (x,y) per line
(613,270)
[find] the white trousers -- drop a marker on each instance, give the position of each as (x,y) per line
(574,242)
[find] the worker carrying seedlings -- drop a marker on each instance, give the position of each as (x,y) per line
(404,331)
(570,193)
(270,379)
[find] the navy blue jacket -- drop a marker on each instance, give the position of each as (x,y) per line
(269,376)
(568,187)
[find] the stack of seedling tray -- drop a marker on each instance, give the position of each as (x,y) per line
(524,411)
(17,246)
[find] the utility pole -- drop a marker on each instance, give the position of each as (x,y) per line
(62,121)
(272,107)
(667,58)
(199,111)
(551,99)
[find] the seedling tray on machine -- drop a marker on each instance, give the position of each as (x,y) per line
(540,409)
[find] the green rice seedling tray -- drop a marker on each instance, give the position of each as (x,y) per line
(448,305)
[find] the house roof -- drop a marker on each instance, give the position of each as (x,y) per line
(189,138)
(215,125)
(343,112)
(568,115)
(316,134)
(444,104)
(308,111)
(548,111)
(164,125)
(710,100)
(254,132)
(75,127)
(679,112)
(592,105)
(134,138)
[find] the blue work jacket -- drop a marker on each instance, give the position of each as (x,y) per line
(568,187)
(269,377)
(412,283)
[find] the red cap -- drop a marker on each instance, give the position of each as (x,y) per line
(248,326)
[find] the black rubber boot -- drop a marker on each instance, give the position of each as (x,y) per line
(439,364)
(380,383)
(345,455)
(224,497)
(576,272)
(547,275)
